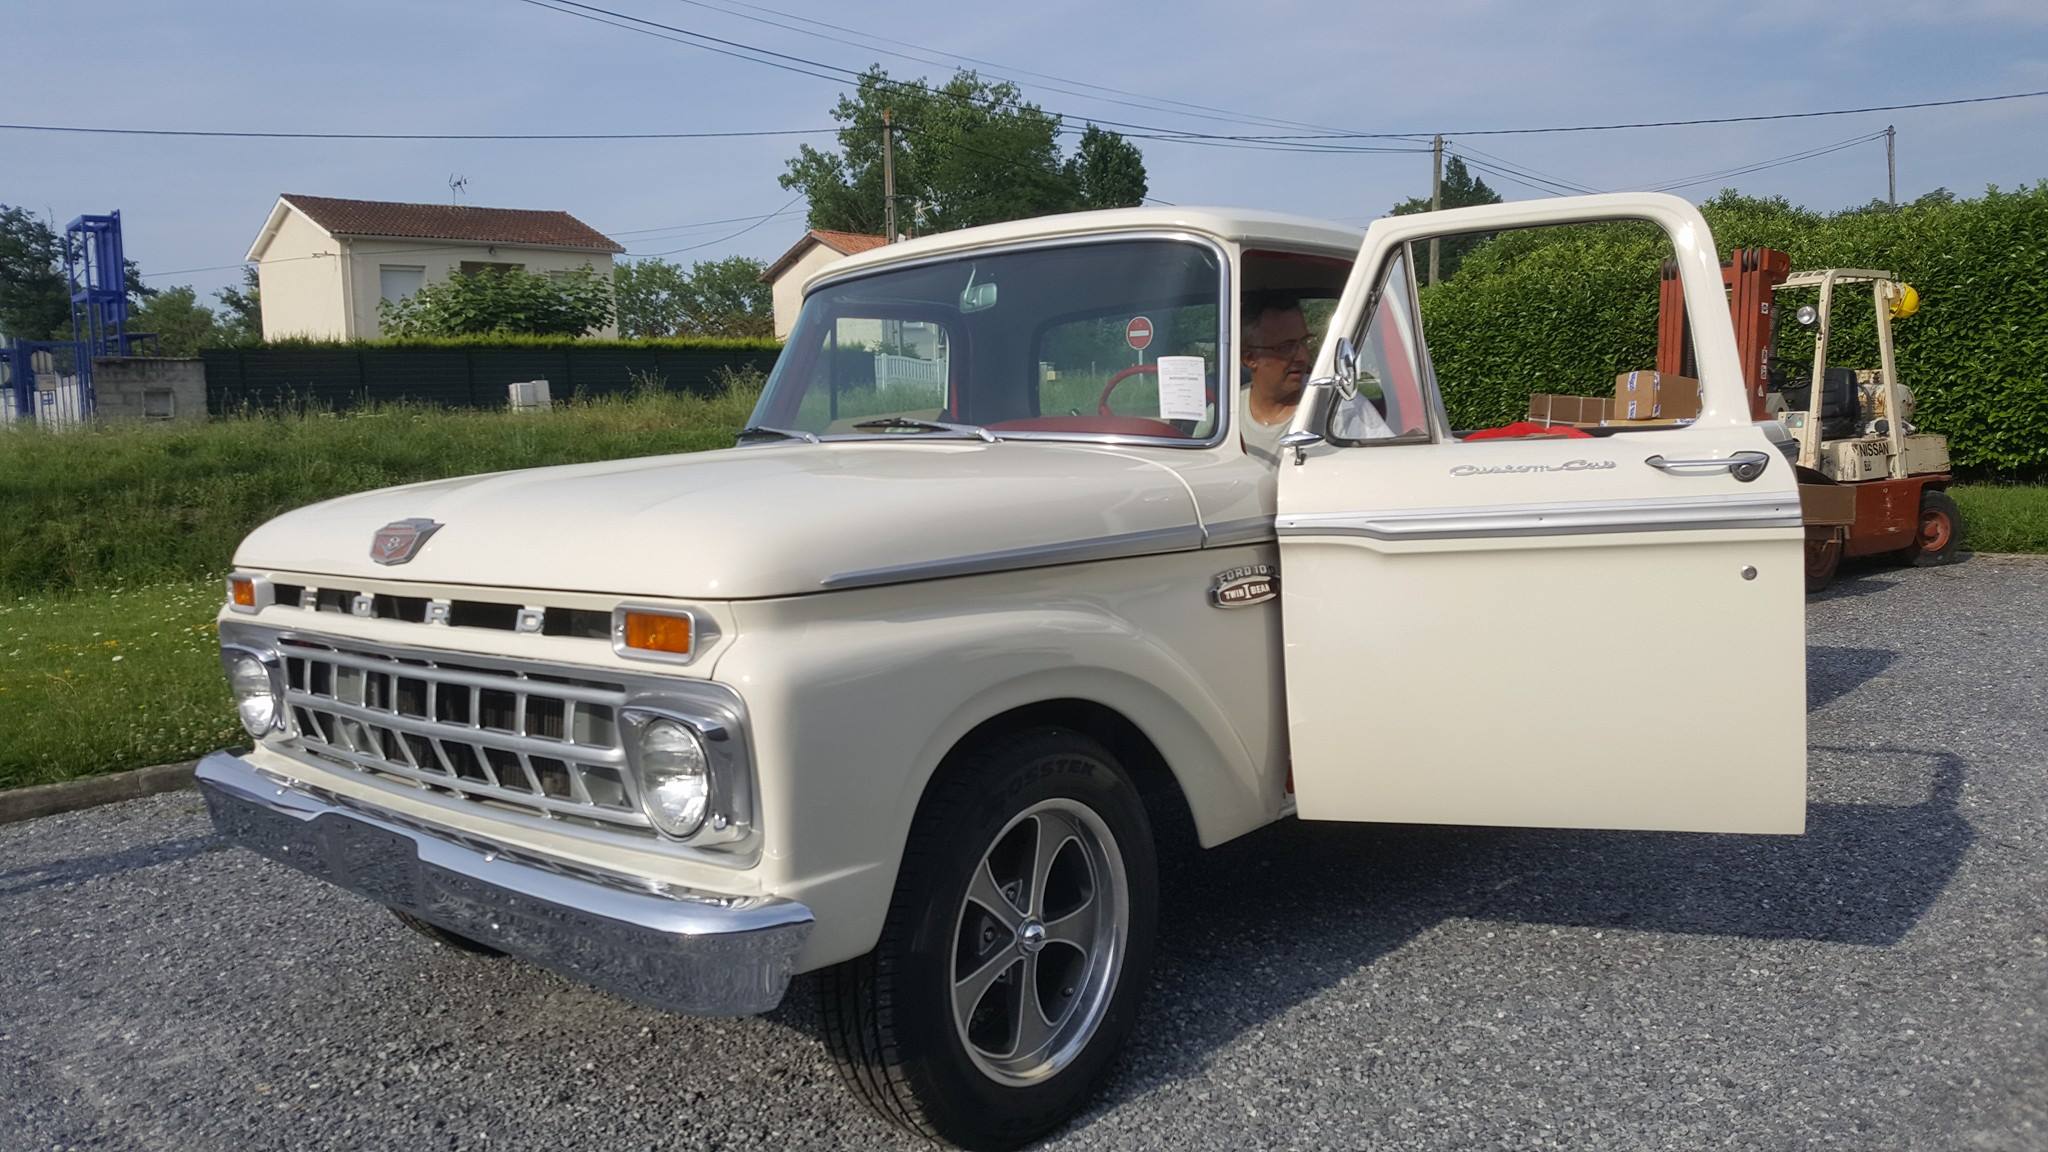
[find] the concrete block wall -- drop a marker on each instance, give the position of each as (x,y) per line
(132,388)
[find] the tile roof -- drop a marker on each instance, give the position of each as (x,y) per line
(847,243)
(844,243)
(515,226)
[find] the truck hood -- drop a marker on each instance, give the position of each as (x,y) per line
(769,520)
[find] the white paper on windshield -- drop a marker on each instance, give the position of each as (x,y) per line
(1183,391)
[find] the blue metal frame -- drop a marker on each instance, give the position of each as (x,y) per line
(96,274)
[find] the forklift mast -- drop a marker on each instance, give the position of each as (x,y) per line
(1752,276)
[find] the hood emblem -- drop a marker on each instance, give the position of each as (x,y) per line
(1244,587)
(400,540)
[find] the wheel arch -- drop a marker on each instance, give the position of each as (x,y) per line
(1174,759)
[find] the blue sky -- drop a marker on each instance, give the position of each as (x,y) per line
(1446,65)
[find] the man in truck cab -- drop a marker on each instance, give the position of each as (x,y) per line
(1277,350)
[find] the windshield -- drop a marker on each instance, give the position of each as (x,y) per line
(1113,338)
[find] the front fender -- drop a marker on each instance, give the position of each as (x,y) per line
(857,697)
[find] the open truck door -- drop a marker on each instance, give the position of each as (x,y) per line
(1432,676)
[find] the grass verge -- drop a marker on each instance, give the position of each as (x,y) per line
(2003,517)
(137,504)
(104,681)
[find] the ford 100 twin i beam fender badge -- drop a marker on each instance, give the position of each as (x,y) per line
(1243,587)
(400,540)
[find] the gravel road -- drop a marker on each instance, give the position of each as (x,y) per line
(1879,983)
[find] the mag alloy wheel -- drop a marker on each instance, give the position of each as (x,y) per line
(1039,942)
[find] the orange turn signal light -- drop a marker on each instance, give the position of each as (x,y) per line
(242,591)
(657,632)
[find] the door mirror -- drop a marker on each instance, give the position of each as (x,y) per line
(1312,418)
(1346,367)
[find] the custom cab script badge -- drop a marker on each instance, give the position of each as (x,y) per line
(1504,469)
(400,540)
(1243,587)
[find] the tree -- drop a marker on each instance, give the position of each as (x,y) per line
(1107,171)
(967,152)
(241,310)
(1460,189)
(512,300)
(34,303)
(713,298)
(181,323)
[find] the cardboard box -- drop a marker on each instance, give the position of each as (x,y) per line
(1582,411)
(1655,396)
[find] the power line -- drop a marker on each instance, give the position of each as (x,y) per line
(802,65)
(1525,170)
(254,135)
(1509,177)
(615,233)
(1517,175)
(1761,165)
(730,236)
(1689,123)
(1150,103)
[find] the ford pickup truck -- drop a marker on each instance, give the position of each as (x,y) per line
(897,689)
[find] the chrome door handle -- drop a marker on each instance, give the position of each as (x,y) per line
(1744,466)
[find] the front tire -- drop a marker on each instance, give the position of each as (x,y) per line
(1016,948)
(1941,530)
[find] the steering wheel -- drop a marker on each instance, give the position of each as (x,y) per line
(1102,404)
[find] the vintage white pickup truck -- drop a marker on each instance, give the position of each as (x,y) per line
(892,690)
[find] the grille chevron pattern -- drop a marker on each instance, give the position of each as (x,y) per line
(529,739)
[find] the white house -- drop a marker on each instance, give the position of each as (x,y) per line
(818,248)
(323,264)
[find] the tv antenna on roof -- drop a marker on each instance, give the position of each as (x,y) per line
(457,184)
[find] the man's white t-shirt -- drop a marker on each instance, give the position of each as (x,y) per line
(1354,419)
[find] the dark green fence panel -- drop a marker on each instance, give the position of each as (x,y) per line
(463,377)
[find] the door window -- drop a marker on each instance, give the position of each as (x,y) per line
(1555,325)
(1390,402)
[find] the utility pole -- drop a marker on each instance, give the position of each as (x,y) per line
(1436,196)
(889,175)
(1891,165)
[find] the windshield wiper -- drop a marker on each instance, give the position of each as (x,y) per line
(761,431)
(974,430)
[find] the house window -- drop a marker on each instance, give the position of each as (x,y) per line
(159,404)
(472,267)
(397,281)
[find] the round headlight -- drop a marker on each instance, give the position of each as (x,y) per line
(1807,316)
(249,680)
(675,778)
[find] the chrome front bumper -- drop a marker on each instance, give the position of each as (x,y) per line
(694,953)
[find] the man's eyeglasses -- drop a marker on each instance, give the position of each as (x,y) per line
(1288,349)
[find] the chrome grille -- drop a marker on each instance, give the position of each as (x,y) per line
(531,740)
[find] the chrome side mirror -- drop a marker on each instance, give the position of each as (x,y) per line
(1313,416)
(1346,367)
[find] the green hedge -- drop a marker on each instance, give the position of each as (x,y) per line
(468,372)
(1564,309)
